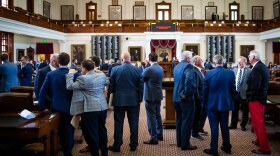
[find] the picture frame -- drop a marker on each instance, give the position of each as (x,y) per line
(245,50)
(135,53)
(46,9)
(78,51)
(139,12)
(67,12)
(114,2)
(194,47)
(20,54)
(209,10)
(115,12)
(276,11)
(187,12)
(257,12)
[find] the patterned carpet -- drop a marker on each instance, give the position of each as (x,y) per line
(241,141)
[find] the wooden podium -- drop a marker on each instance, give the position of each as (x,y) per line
(167,69)
(168,86)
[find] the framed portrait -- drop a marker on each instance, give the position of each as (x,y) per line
(78,51)
(47,9)
(20,54)
(209,11)
(67,12)
(245,50)
(114,2)
(257,12)
(135,53)
(276,9)
(187,12)
(115,12)
(193,47)
(139,12)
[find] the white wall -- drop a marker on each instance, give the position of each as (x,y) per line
(23,42)
(127,7)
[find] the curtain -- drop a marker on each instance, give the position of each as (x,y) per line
(44,48)
(164,44)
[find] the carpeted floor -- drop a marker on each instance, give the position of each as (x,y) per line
(240,140)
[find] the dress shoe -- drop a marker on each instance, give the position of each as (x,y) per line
(255,143)
(261,152)
(227,151)
(202,132)
(232,127)
(132,149)
(198,137)
(243,128)
(190,147)
(160,138)
(151,142)
(210,152)
(114,149)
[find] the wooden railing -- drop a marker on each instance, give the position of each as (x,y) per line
(131,26)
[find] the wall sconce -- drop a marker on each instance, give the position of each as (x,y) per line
(82,22)
(214,22)
(75,25)
(206,22)
(116,22)
(246,25)
(84,25)
(237,25)
(211,25)
(73,22)
(119,25)
(110,25)
(107,22)
(223,22)
(220,25)
(90,22)
(254,25)
(247,22)
(102,25)
(239,22)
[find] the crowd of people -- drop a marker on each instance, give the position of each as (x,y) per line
(79,92)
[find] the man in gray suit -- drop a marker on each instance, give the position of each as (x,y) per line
(241,77)
(152,77)
(126,83)
(89,100)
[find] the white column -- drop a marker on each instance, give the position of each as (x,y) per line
(179,48)
(147,48)
(261,50)
(62,46)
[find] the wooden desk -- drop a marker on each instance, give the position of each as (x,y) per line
(167,69)
(12,126)
(271,108)
(168,86)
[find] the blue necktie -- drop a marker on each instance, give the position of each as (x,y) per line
(239,81)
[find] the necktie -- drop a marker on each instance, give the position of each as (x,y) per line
(239,81)
(202,72)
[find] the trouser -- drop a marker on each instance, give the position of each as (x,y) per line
(66,134)
(154,119)
(203,116)
(95,132)
(133,120)
(197,115)
(245,111)
(257,116)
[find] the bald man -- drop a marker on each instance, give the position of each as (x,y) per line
(126,84)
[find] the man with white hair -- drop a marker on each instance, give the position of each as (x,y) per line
(241,76)
(41,76)
(183,97)
(126,84)
(218,94)
(258,82)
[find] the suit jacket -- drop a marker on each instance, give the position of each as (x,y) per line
(199,83)
(40,78)
(55,85)
(243,84)
(8,72)
(25,75)
(73,66)
(152,77)
(258,82)
(126,83)
(184,82)
(88,92)
(110,68)
(219,89)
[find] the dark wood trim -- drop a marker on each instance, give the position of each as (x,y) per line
(134,12)
(30,6)
(238,10)
(253,12)
(87,10)
(170,10)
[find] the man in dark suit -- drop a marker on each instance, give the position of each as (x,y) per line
(152,77)
(197,63)
(55,85)
(241,76)
(183,98)
(8,74)
(218,94)
(41,76)
(126,83)
(208,65)
(25,74)
(258,82)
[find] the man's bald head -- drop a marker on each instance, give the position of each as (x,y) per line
(125,57)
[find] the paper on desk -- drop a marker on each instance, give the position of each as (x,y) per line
(75,121)
(27,114)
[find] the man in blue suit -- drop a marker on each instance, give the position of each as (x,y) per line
(55,85)
(152,77)
(183,97)
(41,76)
(218,94)
(126,84)
(8,74)
(25,74)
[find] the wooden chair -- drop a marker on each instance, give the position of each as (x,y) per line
(15,102)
